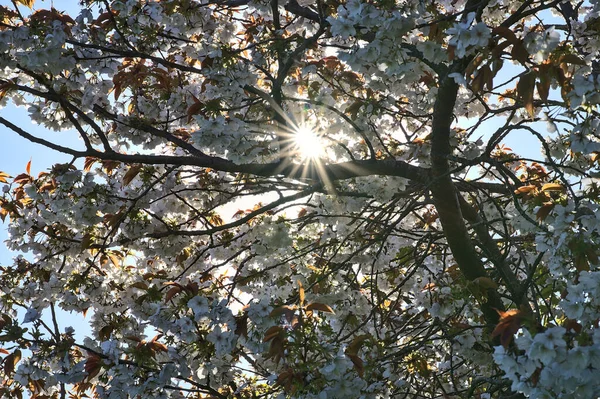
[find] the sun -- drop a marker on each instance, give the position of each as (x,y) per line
(308,143)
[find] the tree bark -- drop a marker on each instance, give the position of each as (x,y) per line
(446,198)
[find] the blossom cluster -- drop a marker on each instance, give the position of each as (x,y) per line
(192,250)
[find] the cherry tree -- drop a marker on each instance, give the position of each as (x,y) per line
(304,199)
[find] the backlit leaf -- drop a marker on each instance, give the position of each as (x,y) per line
(3,177)
(544,210)
(272,332)
(320,307)
(553,187)
(301,293)
(509,324)
(27,3)
(525,89)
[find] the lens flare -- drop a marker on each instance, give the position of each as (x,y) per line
(308,143)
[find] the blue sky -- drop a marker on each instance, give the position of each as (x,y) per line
(15,152)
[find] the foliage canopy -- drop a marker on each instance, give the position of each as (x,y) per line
(405,252)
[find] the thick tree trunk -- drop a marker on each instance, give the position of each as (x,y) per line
(447,203)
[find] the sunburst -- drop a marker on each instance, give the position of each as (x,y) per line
(308,142)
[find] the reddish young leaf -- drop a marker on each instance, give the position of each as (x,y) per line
(509,324)
(131,174)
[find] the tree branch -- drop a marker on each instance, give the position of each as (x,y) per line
(446,197)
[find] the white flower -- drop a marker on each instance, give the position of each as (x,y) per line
(222,339)
(480,35)
(548,345)
(111,349)
(466,38)
(31,315)
(342,27)
(523,339)
(577,359)
(199,306)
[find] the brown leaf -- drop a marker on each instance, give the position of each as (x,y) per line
(22,179)
(488,77)
(140,285)
(519,53)
(171,293)
(93,365)
(353,108)
(320,307)
(156,346)
(571,59)
(273,332)
(117,89)
(282,310)
(27,3)
(87,164)
(285,379)
(591,255)
(105,332)
(131,174)
(509,324)
(478,81)
(216,219)
(10,362)
(6,86)
(475,62)
(435,33)
(241,325)
(301,293)
(277,349)
(194,109)
(544,211)
(497,50)
(581,263)
(543,86)
(112,219)
(358,364)
(3,177)
(451,52)
(574,325)
(553,187)
(506,33)
(356,344)
(525,88)
(114,259)
(87,241)
(525,189)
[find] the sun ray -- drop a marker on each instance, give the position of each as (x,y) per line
(308,143)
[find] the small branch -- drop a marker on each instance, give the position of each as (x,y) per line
(37,140)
